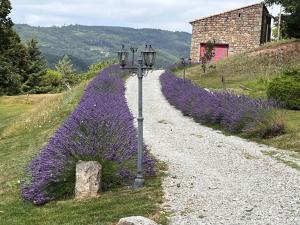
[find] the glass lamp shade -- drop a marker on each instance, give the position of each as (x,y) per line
(123,57)
(149,56)
(182,61)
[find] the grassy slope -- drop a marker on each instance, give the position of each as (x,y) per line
(26,123)
(250,74)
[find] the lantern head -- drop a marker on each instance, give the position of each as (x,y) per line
(149,56)
(123,56)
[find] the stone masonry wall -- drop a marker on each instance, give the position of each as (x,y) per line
(241,29)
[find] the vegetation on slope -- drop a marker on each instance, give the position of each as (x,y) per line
(21,66)
(290,21)
(250,74)
(90,44)
(26,124)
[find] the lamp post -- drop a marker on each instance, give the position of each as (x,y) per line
(133,50)
(146,62)
(184,63)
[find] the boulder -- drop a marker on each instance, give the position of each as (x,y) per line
(136,220)
(88,179)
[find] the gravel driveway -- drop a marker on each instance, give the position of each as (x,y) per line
(213,178)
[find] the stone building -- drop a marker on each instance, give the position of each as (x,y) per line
(234,31)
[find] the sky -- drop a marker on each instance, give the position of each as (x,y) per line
(173,15)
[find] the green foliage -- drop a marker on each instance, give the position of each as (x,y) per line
(37,68)
(6,24)
(66,69)
(86,45)
(10,81)
(286,89)
(208,55)
(95,68)
(272,125)
(14,56)
(52,82)
(291,18)
(21,67)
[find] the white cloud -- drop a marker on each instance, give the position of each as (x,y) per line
(164,14)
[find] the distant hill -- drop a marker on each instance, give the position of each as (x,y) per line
(90,44)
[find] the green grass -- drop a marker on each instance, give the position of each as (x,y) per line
(250,74)
(26,123)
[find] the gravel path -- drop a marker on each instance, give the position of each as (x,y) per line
(214,179)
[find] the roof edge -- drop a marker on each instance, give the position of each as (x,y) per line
(218,14)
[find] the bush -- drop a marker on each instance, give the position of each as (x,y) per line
(94,69)
(286,89)
(236,113)
(100,128)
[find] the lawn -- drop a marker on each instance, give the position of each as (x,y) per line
(250,74)
(26,123)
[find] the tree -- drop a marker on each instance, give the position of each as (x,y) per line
(291,18)
(37,68)
(10,81)
(14,56)
(6,24)
(66,69)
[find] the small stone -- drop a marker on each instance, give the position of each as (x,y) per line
(88,179)
(249,209)
(136,220)
(212,188)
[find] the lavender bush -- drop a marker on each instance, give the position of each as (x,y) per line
(100,128)
(236,113)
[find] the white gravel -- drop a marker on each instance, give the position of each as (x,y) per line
(214,179)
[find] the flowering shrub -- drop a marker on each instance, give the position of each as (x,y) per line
(100,128)
(236,113)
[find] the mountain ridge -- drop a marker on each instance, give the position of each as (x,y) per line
(90,44)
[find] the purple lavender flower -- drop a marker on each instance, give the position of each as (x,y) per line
(100,128)
(234,112)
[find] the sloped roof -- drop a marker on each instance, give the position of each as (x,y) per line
(218,14)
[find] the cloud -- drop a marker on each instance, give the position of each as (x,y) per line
(163,14)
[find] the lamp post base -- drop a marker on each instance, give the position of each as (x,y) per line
(138,183)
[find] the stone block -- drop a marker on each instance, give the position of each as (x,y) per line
(136,220)
(88,179)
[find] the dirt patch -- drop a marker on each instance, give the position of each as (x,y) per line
(277,49)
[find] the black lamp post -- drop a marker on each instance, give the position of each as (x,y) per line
(133,50)
(146,62)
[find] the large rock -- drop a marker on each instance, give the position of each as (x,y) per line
(136,220)
(88,179)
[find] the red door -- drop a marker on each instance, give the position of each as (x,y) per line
(220,50)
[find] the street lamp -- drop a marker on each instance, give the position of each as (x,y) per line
(133,50)
(123,56)
(146,62)
(184,63)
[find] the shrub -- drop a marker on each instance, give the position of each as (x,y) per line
(286,89)
(100,128)
(236,113)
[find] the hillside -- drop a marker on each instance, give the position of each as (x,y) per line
(89,44)
(250,73)
(26,124)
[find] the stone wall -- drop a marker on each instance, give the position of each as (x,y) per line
(241,29)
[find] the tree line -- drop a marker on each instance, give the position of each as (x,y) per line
(23,69)
(290,19)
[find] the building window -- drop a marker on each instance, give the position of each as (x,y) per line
(240,14)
